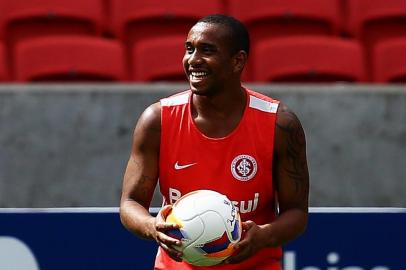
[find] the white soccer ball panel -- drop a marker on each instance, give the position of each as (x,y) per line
(192,229)
(223,206)
(184,208)
(213,228)
(192,254)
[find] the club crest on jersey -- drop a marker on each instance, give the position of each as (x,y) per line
(244,167)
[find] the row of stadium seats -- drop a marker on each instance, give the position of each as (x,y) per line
(288,59)
(354,17)
(133,30)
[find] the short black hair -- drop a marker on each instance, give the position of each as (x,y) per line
(240,39)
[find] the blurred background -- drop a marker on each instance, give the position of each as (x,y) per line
(75,76)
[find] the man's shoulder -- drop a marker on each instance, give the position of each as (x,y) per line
(262,102)
(176,99)
(151,117)
(287,122)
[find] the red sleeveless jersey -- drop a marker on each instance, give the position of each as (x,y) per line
(238,165)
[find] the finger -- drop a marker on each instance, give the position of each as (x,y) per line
(241,251)
(164,226)
(168,240)
(241,245)
(173,253)
(242,254)
(247,225)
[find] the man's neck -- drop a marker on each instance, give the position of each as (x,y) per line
(222,103)
(218,116)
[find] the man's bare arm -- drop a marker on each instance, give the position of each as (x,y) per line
(140,180)
(291,178)
(141,175)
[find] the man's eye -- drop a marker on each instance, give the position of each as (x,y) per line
(189,49)
(208,49)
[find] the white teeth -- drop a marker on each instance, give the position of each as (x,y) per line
(198,74)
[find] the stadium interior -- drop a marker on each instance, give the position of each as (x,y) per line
(142,41)
(76,74)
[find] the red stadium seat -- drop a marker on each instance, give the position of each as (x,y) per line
(25,19)
(159,59)
(69,58)
(273,18)
(277,18)
(374,20)
(308,59)
(3,64)
(133,20)
(21,19)
(389,61)
(139,19)
(136,20)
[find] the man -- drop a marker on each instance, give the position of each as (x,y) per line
(221,136)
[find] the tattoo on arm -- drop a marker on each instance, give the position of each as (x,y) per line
(144,185)
(296,165)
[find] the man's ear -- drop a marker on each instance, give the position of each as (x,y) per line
(240,59)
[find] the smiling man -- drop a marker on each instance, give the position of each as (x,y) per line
(221,136)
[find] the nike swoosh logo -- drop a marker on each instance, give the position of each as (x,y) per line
(180,167)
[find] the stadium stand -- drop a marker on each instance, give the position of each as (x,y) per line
(133,21)
(137,24)
(69,58)
(159,59)
(375,21)
(276,18)
(26,19)
(371,21)
(389,61)
(3,64)
(22,19)
(308,59)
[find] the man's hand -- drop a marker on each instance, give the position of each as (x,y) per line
(251,242)
(166,242)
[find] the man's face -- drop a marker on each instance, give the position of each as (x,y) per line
(208,61)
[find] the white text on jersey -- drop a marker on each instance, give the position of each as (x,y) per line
(242,206)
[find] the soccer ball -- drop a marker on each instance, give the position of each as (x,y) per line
(210,226)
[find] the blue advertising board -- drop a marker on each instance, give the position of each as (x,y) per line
(336,239)
(350,239)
